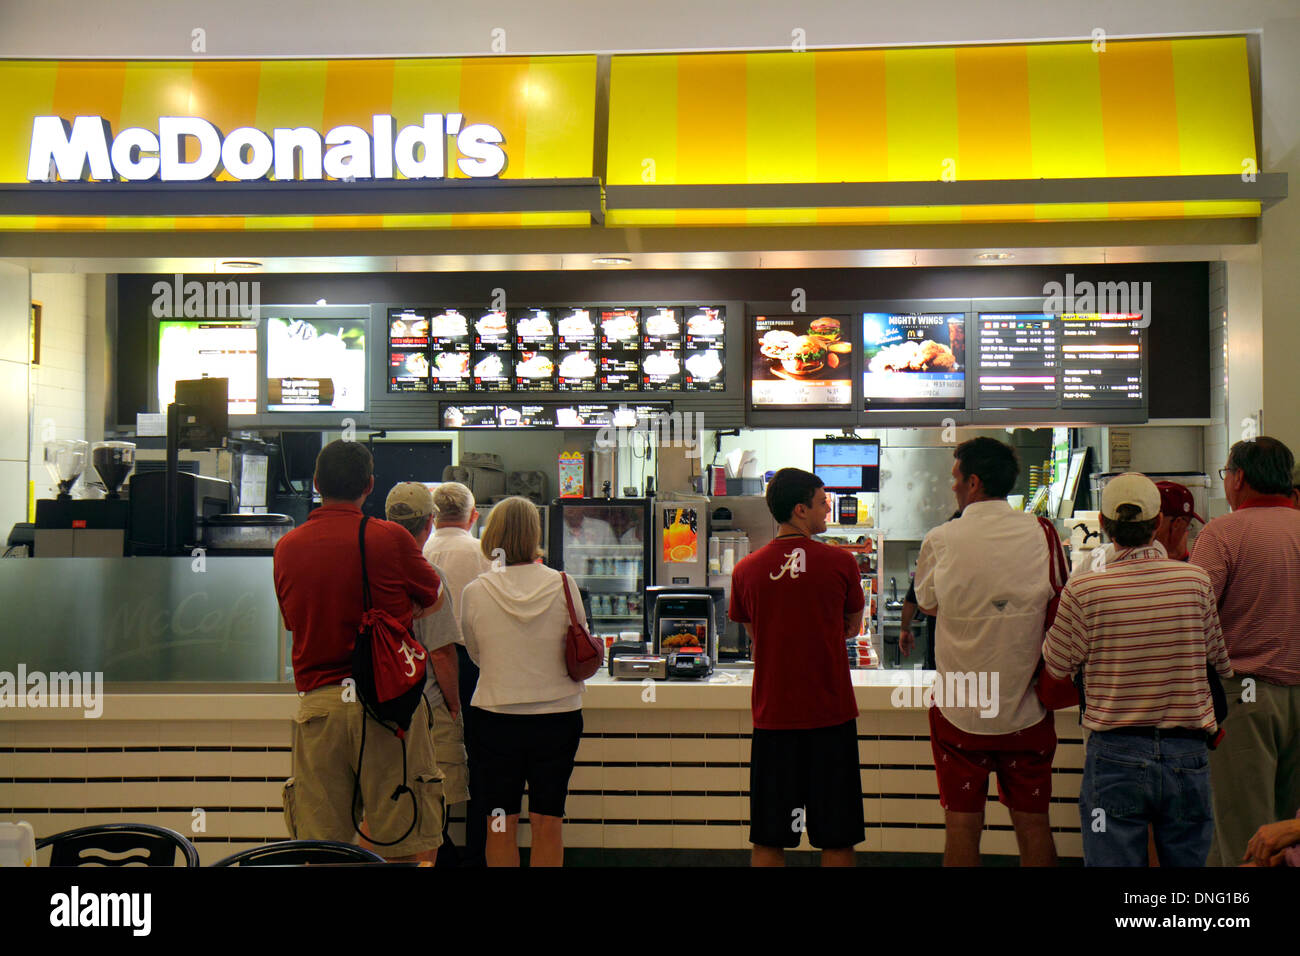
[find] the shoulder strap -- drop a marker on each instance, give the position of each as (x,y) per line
(1057,570)
(568,598)
(365,580)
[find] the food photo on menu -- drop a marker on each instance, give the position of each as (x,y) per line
(661,328)
(493,371)
(492,329)
(534,329)
(408,370)
(316,364)
(704,370)
(449,327)
(705,327)
(661,371)
(620,328)
(914,360)
(534,370)
(408,327)
(576,329)
(450,371)
(801,360)
(577,371)
(469,416)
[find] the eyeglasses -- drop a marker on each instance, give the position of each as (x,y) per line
(1223,473)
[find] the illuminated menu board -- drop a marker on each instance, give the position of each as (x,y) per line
(801,360)
(536,357)
(198,349)
(450,351)
(914,360)
(704,349)
(620,350)
(408,350)
(315,365)
(1019,360)
(1101,361)
(551,415)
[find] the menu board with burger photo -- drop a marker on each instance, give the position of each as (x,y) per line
(801,360)
(535,343)
(704,360)
(661,370)
(620,345)
(914,360)
(492,358)
(578,370)
(449,350)
(408,350)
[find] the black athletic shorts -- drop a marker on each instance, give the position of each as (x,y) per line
(511,750)
(806,779)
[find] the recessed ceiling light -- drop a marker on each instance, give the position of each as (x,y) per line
(611,261)
(241,264)
(994,256)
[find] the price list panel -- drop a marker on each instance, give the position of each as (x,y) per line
(1019,360)
(1101,361)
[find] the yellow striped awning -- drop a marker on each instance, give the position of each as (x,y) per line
(1049,111)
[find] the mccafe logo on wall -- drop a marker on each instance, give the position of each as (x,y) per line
(87,149)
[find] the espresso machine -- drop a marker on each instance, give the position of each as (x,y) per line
(84,528)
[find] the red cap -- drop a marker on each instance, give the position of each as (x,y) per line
(1176,501)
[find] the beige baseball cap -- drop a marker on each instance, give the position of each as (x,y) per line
(1131,488)
(408,499)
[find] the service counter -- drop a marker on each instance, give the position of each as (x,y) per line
(662,766)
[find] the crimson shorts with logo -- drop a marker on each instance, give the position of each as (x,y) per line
(1022,760)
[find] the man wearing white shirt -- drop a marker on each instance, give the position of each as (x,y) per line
(459,558)
(986,576)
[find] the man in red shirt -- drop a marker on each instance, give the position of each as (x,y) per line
(1253,558)
(318,584)
(801,601)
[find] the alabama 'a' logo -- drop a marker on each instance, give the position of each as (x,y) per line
(411,655)
(796,562)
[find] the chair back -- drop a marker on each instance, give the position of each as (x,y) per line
(119,844)
(301,853)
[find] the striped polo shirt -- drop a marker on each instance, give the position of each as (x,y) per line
(1253,558)
(1142,629)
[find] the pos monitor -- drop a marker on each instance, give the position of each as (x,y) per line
(847,465)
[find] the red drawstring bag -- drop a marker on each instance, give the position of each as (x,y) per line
(583,654)
(1053,692)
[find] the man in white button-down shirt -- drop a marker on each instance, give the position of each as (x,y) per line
(986,576)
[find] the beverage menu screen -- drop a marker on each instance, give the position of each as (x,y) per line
(1019,360)
(469,416)
(315,365)
(801,360)
(189,350)
(1101,360)
(914,360)
(408,350)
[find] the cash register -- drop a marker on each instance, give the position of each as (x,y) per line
(684,629)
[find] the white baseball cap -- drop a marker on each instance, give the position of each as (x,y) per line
(1131,488)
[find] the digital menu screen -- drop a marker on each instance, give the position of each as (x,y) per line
(705,370)
(449,371)
(576,329)
(914,360)
(578,370)
(534,330)
(706,328)
(620,350)
(801,360)
(526,416)
(661,329)
(491,330)
(469,416)
(620,329)
(535,369)
(193,349)
(1018,360)
(408,350)
(492,371)
(1101,360)
(661,370)
(316,365)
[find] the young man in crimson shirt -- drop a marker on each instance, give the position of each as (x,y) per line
(801,600)
(318,583)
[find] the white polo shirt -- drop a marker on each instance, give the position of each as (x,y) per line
(987,574)
(459,559)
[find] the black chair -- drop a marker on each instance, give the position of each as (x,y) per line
(301,853)
(119,844)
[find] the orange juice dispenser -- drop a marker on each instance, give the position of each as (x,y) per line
(681,536)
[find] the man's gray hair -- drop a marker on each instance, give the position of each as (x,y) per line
(453,501)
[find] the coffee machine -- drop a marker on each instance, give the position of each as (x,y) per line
(84,528)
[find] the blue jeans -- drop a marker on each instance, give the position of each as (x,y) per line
(1130,782)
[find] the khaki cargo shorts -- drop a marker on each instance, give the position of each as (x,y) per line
(318,798)
(449,746)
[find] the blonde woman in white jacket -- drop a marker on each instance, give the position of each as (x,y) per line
(514,618)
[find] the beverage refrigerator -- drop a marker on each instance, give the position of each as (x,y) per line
(604,544)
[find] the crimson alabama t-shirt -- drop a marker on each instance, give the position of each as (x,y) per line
(794,594)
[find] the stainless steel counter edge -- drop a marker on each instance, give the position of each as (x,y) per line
(725,690)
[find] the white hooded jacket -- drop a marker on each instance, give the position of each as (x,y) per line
(514,622)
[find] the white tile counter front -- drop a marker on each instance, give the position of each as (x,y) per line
(662,765)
